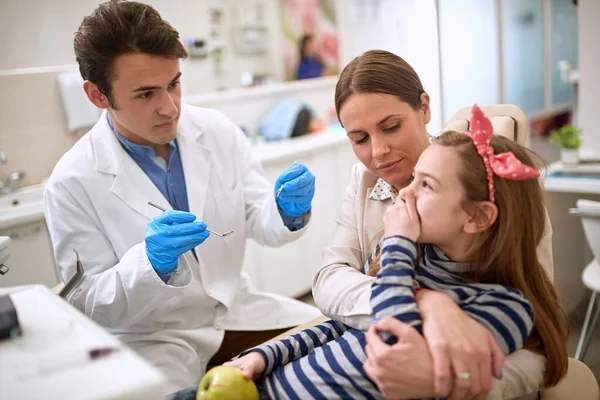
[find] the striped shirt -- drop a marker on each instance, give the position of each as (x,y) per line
(326,361)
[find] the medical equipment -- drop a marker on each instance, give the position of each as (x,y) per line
(75,279)
(213,232)
(4,253)
(63,354)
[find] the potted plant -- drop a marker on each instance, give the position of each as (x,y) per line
(567,138)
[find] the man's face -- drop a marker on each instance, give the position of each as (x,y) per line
(146,96)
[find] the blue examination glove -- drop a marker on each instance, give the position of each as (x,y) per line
(171,234)
(295,189)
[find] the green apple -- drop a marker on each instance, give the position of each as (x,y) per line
(226,383)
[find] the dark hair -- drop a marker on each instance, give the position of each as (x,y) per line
(303,41)
(302,122)
(379,71)
(120,27)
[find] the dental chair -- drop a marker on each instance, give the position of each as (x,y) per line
(589,211)
(510,121)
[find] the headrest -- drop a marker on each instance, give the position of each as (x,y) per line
(508,120)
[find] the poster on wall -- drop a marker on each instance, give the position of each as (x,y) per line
(310,39)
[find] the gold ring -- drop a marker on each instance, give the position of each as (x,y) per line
(463,376)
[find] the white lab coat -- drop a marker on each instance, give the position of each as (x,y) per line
(96,202)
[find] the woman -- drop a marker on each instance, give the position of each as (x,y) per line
(384,109)
(310,66)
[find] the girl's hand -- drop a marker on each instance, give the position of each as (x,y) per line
(252,365)
(402,218)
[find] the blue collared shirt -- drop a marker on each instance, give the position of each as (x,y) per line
(168,177)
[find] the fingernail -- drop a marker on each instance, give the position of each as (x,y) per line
(374,321)
(501,372)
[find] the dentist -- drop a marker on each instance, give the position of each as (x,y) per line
(159,281)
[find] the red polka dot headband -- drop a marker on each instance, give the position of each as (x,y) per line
(505,165)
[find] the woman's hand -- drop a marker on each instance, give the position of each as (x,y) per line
(403,370)
(465,355)
(402,218)
(251,365)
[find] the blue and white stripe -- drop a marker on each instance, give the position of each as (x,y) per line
(326,361)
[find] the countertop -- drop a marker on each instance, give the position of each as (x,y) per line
(55,332)
(580,178)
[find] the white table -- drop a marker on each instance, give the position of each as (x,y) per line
(571,252)
(120,375)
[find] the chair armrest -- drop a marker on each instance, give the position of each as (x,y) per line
(580,383)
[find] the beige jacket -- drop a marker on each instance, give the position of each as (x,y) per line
(342,291)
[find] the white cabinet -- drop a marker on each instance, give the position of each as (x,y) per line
(289,270)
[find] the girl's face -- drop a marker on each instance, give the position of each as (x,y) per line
(386,133)
(440,198)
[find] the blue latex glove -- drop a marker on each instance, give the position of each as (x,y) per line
(295,189)
(171,234)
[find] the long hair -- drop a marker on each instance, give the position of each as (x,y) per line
(506,252)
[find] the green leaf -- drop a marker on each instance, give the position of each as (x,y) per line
(566,137)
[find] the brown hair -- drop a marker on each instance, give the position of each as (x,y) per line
(379,71)
(119,27)
(506,252)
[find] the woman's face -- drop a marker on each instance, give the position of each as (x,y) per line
(386,133)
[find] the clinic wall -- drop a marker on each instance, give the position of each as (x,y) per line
(45,37)
(589,65)
(33,129)
(405,27)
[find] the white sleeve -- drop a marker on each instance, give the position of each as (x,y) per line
(114,293)
(522,375)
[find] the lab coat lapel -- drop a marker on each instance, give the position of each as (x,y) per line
(131,184)
(196,161)
(135,188)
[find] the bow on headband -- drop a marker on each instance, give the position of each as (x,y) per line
(505,165)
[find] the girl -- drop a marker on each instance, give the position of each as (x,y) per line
(463,201)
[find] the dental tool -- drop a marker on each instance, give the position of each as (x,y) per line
(213,232)
(75,279)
